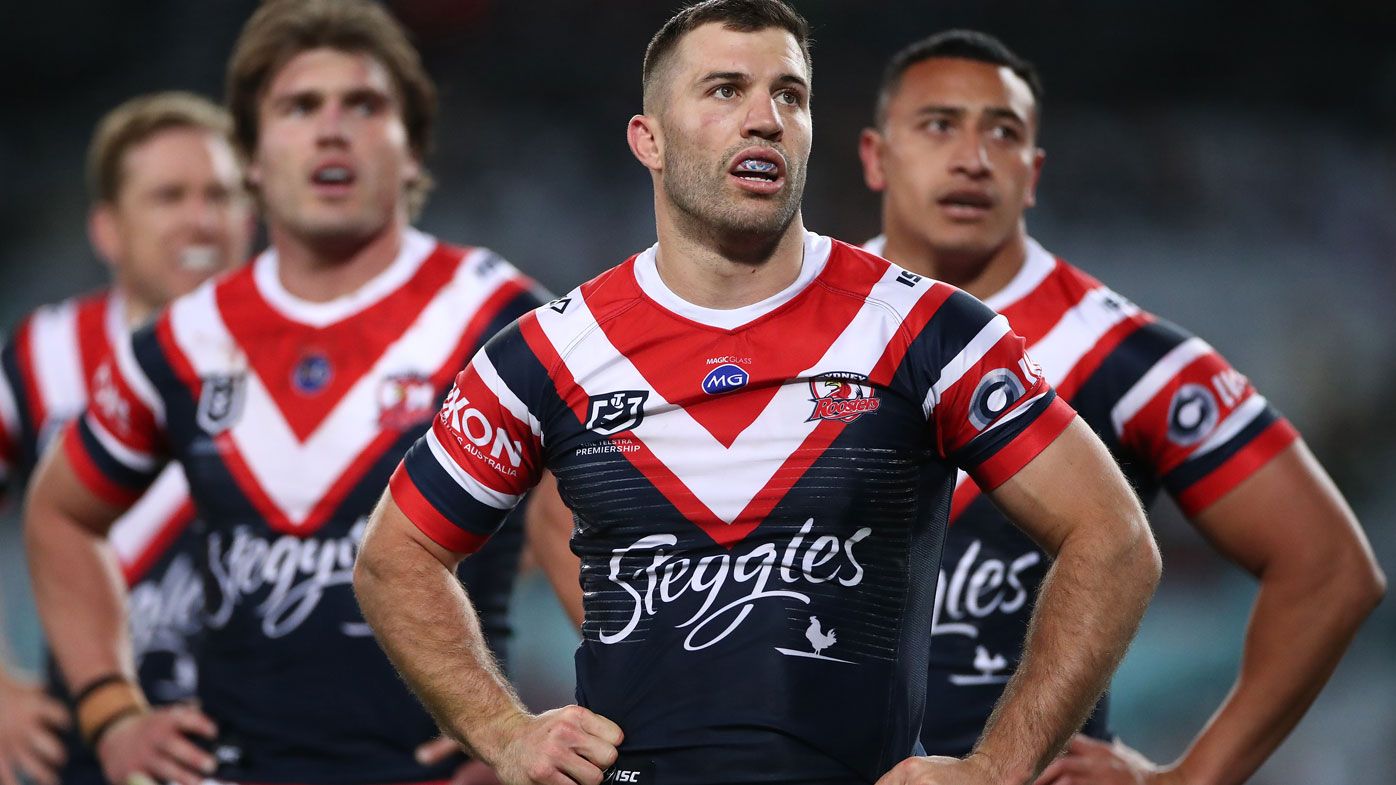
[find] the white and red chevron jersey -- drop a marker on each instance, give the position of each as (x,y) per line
(760,496)
(1173,412)
(288,418)
(46,377)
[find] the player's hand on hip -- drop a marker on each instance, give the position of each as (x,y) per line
(30,724)
(938,770)
(560,747)
(156,746)
(1089,761)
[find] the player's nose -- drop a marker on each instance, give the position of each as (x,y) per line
(762,119)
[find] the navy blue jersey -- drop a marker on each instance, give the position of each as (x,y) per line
(46,376)
(1172,411)
(288,417)
(760,496)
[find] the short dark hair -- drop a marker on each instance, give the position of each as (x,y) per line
(282,29)
(962,44)
(744,16)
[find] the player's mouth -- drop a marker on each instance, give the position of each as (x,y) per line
(199,258)
(758,170)
(967,204)
(333,178)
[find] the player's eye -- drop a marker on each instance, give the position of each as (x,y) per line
(725,91)
(1006,133)
(936,125)
(790,97)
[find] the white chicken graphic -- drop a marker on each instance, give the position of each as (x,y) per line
(817,639)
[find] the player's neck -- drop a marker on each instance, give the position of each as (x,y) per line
(135,311)
(317,271)
(727,273)
(980,275)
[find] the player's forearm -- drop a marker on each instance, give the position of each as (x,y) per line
(424,621)
(1303,620)
(1088,610)
(80,595)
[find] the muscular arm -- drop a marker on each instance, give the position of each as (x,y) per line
(1290,527)
(407,589)
(1074,502)
(423,619)
(78,587)
(549,528)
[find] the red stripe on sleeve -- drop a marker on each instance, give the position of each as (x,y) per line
(93,343)
(24,354)
(1025,446)
(91,476)
(1271,442)
(426,517)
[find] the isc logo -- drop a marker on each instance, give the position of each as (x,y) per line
(725,378)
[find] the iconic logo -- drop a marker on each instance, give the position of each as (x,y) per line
(725,378)
(282,580)
(560,304)
(1192,415)
(819,640)
(312,373)
(615,412)
(653,575)
(220,402)
(976,589)
(995,393)
(405,400)
(842,396)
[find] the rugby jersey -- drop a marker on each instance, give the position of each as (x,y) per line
(760,496)
(1175,415)
(288,417)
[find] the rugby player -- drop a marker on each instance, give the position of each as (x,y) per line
(288,392)
(954,154)
(168,212)
(758,430)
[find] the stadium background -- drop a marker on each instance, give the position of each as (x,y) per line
(1230,168)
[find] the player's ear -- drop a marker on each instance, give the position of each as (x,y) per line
(102,232)
(646,141)
(1039,156)
(870,151)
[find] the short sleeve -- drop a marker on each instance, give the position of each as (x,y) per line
(1197,422)
(990,406)
(481,454)
(117,447)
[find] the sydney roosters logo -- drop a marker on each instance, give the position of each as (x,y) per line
(841,395)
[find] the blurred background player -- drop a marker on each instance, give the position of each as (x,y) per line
(954,154)
(745,545)
(288,392)
(168,212)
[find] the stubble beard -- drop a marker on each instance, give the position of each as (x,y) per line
(742,225)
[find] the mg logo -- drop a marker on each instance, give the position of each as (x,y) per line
(725,378)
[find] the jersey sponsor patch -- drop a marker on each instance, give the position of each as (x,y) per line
(996,392)
(725,378)
(1192,414)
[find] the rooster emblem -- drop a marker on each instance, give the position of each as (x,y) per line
(817,638)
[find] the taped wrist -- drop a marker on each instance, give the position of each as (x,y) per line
(102,703)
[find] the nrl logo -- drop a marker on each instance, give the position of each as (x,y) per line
(843,396)
(220,402)
(614,412)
